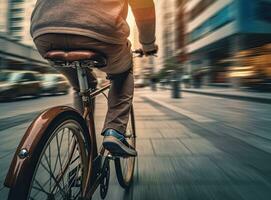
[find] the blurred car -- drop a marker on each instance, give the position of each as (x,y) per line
(54,84)
(140,83)
(19,83)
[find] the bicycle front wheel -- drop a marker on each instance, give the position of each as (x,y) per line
(125,166)
(61,162)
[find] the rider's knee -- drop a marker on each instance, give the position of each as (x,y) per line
(119,76)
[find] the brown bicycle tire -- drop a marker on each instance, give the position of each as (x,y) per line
(125,180)
(22,188)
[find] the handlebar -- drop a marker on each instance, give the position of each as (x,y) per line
(141,53)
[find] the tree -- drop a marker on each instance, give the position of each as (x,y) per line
(170,64)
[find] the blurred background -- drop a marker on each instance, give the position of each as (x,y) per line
(207,43)
(203,104)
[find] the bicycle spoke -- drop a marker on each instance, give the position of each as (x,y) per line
(48,160)
(75,177)
(59,173)
(64,170)
(75,159)
(58,154)
(58,150)
(57,157)
(39,188)
(42,186)
(77,195)
(53,177)
(77,172)
(56,161)
(50,164)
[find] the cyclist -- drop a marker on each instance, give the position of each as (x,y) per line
(98,25)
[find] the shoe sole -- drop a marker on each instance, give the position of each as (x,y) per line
(117,148)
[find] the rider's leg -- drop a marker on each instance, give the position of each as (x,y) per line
(120,101)
(119,106)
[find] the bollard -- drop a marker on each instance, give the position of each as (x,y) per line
(175,90)
(153,87)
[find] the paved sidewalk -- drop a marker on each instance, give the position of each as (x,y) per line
(231,93)
(185,152)
(199,113)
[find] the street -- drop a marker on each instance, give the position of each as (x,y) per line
(195,148)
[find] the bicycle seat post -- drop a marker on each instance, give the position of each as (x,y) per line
(83,82)
(81,59)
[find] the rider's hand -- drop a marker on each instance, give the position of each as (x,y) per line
(150,50)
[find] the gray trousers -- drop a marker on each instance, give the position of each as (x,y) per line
(119,61)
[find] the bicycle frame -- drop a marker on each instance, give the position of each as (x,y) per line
(24,153)
(88,114)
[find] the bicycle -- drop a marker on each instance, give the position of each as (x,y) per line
(58,157)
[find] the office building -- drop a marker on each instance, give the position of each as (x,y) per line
(16,50)
(180,28)
(3,15)
(28,7)
(165,32)
(219,31)
(19,15)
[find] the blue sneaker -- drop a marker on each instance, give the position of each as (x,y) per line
(117,145)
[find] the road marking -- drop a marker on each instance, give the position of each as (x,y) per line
(189,114)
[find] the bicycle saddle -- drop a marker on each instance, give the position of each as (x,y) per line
(98,59)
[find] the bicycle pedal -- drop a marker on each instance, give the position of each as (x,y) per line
(113,157)
(110,156)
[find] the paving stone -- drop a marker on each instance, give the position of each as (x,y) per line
(157,192)
(253,191)
(196,170)
(175,125)
(155,170)
(238,172)
(200,146)
(173,133)
(3,192)
(208,192)
(144,147)
(154,124)
(148,133)
(115,192)
(169,147)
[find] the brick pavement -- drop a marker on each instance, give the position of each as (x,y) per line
(180,159)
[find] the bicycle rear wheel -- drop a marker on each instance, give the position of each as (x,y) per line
(125,166)
(61,162)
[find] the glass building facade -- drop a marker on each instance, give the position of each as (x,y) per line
(217,33)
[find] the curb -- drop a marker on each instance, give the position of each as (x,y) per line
(233,96)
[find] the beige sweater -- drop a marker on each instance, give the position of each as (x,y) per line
(104,20)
